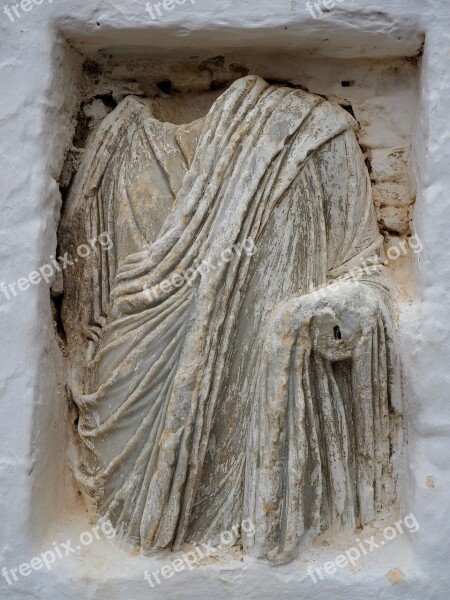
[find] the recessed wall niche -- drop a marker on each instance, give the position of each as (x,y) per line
(381,95)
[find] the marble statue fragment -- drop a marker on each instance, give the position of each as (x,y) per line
(239,392)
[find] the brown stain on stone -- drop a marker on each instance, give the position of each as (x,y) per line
(430,482)
(395,576)
(267,508)
(304,342)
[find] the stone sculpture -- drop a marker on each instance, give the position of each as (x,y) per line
(239,390)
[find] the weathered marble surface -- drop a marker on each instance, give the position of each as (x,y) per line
(241,392)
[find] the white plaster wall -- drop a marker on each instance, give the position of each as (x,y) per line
(38,75)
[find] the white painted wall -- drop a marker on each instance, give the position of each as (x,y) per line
(39,71)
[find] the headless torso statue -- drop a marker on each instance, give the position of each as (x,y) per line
(239,392)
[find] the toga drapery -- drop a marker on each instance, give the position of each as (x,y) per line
(205,404)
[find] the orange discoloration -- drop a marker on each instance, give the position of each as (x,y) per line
(395,576)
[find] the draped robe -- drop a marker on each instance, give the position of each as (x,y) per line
(205,403)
